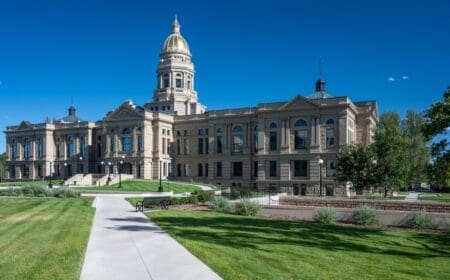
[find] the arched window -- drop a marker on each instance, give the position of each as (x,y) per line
(330,122)
(14,150)
(26,148)
(273,125)
(237,128)
(166,81)
(301,122)
(70,146)
(219,130)
(179,81)
(40,148)
(126,140)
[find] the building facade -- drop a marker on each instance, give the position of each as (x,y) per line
(290,144)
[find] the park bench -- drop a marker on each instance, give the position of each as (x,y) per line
(153,202)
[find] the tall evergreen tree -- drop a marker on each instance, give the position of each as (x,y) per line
(2,166)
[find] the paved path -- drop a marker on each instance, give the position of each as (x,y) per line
(412,197)
(125,244)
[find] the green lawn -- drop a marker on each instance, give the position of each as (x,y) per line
(43,238)
(239,247)
(144,186)
(439,197)
(31,183)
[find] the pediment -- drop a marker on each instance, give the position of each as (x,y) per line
(299,102)
(126,111)
(24,125)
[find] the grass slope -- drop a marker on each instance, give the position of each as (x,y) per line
(239,247)
(144,186)
(441,197)
(43,238)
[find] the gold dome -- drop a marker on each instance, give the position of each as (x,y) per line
(175,42)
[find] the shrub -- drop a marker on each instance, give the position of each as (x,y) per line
(183,200)
(41,191)
(366,215)
(204,196)
(247,207)
(420,220)
(220,204)
(325,215)
(65,192)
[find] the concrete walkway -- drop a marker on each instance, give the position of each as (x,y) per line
(125,244)
(412,197)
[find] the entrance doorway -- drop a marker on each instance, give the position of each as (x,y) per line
(296,190)
(127,168)
(329,190)
(303,190)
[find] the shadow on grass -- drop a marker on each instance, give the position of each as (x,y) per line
(260,234)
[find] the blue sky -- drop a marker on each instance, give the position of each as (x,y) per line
(245,52)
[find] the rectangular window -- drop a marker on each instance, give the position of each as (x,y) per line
(237,169)
(331,168)
(206,170)
(185,147)
(139,142)
(113,144)
(218,169)
(200,170)
(238,144)
(58,151)
(300,139)
(99,150)
(179,170)
(166,82)
(273,140)
(14,151)
(300,168)
(206,146)
(219,144)
(273,168)
(255,142)
(178,147)
(82,146)
(255,169)
(330,137)
(40,149)
(25,171)
(200,146)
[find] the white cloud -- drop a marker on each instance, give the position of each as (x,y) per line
(404,77)
(391,79)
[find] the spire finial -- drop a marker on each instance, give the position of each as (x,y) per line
(320,83)
(175,25)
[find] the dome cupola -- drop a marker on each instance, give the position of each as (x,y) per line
(175,43)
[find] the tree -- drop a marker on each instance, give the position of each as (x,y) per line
(417,152)
(437,122)
(356,164)
(391,150)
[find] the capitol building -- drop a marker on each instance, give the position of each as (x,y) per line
(282,144)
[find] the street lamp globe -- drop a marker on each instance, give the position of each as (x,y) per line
(320,161)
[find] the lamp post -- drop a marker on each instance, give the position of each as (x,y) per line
(65,171)
(120,171)
(50,185)
(320,175)
(109,171)
(103,167)
(160,175)
(79,163)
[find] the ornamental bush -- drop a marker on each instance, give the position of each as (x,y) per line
(220,204)
(204,196)
(246,207)
(325,215)
(65,192)
(421,220)
(366,216)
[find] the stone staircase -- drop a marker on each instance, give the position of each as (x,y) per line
(95,179)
